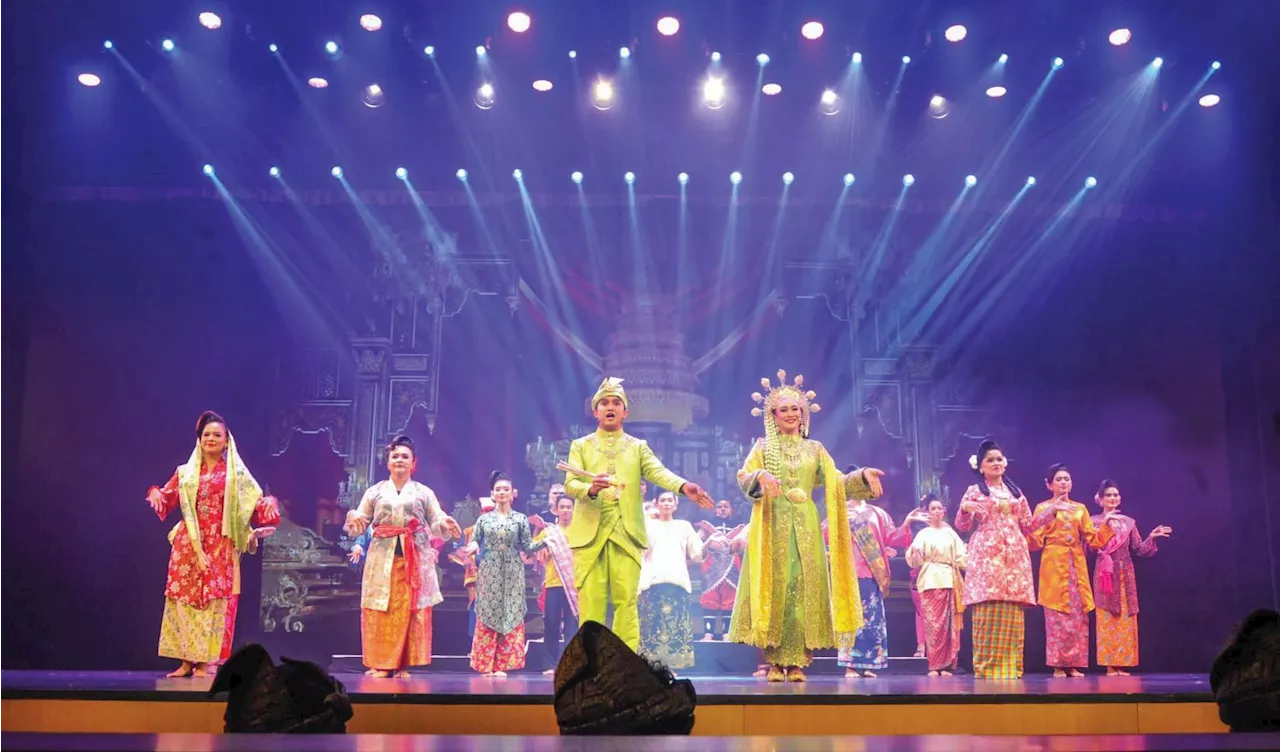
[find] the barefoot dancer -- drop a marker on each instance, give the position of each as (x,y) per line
(1064,577)
(399,587)
(502,535)
(219,501)
(1114,586)
(939,555)
(998,586)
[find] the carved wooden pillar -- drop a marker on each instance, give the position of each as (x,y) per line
(370,355)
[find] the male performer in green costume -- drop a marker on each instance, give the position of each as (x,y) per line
(607,534)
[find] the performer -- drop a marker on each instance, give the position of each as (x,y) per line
(503,535)
(873,535)
(219,502)
(1114,584)
(463,557)
(999,584)
(938,554)
(1064,577)
(559,601)
(608,533)
(785,605)
(914,574)
(399,587)
(721,568)
(666,630)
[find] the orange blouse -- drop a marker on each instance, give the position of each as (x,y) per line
(1062,563)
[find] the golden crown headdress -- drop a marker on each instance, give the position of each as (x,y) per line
(795,390)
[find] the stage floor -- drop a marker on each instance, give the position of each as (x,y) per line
(138,702)
(434,688)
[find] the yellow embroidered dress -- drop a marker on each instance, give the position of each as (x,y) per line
(784,604)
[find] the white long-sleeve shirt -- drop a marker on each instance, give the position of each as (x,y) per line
(936,551)
(672,545)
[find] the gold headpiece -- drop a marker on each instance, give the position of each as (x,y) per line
(610,387)
(795,390)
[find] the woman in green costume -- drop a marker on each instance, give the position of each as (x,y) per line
(784,605)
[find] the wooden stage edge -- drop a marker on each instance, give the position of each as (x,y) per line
(821,709)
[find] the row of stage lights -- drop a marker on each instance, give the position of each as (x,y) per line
(715,91)
(520,21)
(629,178)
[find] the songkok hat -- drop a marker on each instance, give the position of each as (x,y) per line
(1245,678)
(603,688)
(297,697)
(610,387)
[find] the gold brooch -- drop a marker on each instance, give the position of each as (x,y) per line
(797,495)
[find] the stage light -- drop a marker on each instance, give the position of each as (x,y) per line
(89,79)
(630,177)
(480,50)
(624,52)
(273,48)
(208,170)
(168,45)
(108,45)
(274,172)
(209,20)
(576,177)
(829,102)
(370,22)
(668,25)
(542,84)
(715,57)
(373,96)
(484,97)
(519,22)
(461,174)
(908,180)
(1031,181)
(812,30)
(771,89)
(1208,100)
(762,59)
(316,82)
(735,177)
(848,179)
(517,174)
(1057,63)
(955,33)
(788,178)
(1090,182)
(857,57)
(1157,63)
(429,50)
(906,59)
(573,54)
(683,178)
(971,180)
(331,47)
(1004,58)
(336,172)
(602,95)
(1119,37)
(402,173)
(939,107)
(1212,66)
(995,92)
(713,92)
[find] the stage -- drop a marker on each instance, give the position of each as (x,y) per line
(521,704)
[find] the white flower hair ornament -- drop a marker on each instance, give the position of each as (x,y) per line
(973,461)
